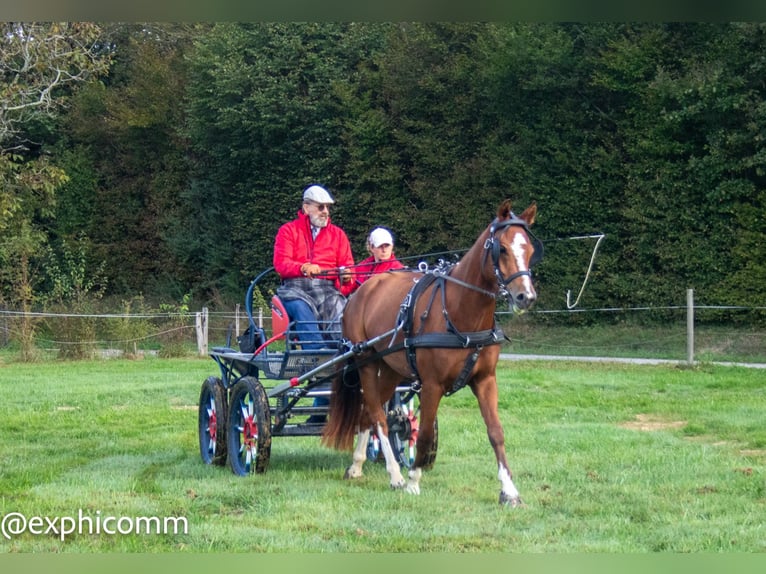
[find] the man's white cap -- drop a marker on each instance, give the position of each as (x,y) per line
(380,236)
(318,194)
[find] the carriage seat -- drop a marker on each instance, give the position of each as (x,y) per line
(280,322)
(284,326)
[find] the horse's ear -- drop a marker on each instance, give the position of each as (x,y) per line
(504,210)
(530,213)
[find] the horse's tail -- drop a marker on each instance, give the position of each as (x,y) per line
(345,411)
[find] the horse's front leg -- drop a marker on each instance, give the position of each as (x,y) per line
(424,447)
(486,393)
(359,456)
(509,496)
(392,465)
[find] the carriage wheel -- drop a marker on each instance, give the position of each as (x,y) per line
(249,428)
(403,424)
(212,422)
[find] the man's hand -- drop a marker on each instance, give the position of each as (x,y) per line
(345,275)
(310,270)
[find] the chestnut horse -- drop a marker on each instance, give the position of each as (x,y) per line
(436,327)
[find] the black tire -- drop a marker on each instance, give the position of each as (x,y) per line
(403,420)
(213,410)
(249,428)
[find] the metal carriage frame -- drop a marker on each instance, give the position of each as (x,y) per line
(267,388)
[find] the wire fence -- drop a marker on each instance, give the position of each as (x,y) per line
(711,333)
(691,333)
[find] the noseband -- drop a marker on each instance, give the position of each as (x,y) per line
(492,246)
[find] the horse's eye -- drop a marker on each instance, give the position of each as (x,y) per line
(503,249)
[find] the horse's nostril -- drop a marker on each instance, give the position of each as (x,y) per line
(524,300)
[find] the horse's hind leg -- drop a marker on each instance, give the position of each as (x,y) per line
(360,455)
(378,384)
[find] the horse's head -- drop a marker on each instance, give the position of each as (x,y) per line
(514,250)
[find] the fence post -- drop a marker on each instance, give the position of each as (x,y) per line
(236,321)
(690,326)
(201,328)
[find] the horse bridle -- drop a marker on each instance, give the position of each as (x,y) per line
(492,246)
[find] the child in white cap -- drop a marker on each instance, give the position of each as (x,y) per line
(380,244)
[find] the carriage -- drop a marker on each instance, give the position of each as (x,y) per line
(267,386)
(408,339)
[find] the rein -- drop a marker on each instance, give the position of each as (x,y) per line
(439,273)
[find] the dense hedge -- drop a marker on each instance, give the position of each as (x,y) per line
(198,145)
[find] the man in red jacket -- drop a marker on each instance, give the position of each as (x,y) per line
(312,257)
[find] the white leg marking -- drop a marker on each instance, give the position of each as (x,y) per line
(413,484)
(506,484)
(359,456)
(392,466)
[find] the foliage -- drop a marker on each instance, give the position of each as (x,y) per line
(173,337)
(181,163)
(40,63)
(76,286)
(121,139)
(30,188)
(128,331)
(574,116)
(37,61)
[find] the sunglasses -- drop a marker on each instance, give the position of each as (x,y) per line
(320,206)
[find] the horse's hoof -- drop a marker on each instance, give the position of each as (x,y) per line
(512,501)
(413,488)
(397,485)
(350,473)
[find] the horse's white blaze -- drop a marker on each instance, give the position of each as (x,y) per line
(517,248)
(506,483)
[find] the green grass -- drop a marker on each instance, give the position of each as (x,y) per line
(608,458)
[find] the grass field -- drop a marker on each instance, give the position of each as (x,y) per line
(608,458)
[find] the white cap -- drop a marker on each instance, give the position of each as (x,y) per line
(380,236)
(318,194)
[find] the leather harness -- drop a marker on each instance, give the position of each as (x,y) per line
(452,338)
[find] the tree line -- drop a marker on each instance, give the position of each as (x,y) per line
(163,167)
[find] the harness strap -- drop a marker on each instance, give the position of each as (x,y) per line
(476,341)
(462,378)
(452,339)
(407,309)
(473,340)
